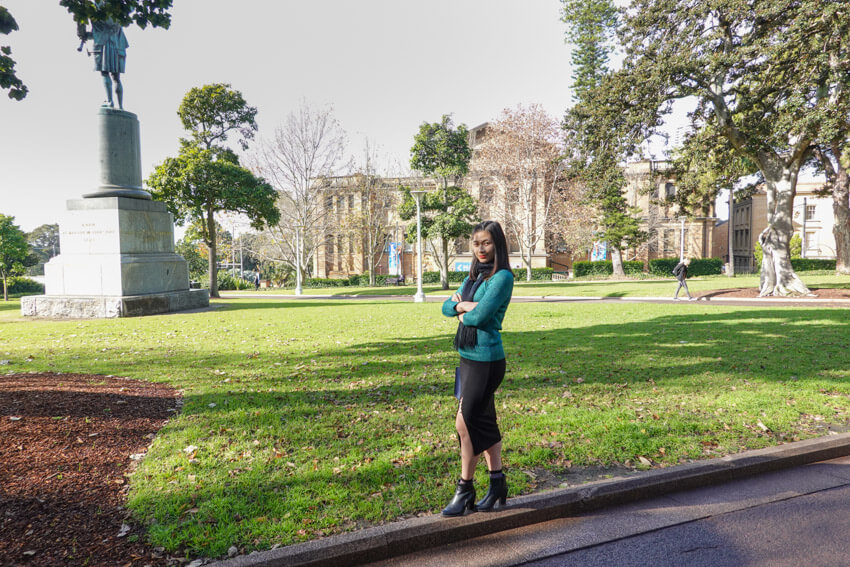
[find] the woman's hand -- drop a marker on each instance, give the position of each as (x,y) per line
(460,317)
(465,306)
(457,298)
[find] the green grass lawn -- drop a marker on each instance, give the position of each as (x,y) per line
(578,288)
(312,417)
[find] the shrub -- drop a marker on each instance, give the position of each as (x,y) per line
(31,287)
(808,264)
(362,280)
(537,274)
(605,268)
(434,277)
(325,282)
(663,267)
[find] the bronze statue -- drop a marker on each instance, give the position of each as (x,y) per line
(110,54)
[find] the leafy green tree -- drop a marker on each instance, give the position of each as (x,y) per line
(212,112)
(44,241)
(126,12)
(199,183)
(14,251)
(441,150)
(8,76)
(598,141)
(206,178)
(760,75)
(190,249)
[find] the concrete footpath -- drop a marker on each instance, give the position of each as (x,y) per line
(703,300)
(534,525)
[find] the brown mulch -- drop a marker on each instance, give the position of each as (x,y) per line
(66,442)
(753,293)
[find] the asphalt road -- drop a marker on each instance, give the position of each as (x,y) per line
(798,517)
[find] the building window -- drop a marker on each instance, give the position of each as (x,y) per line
(810,212)
(351,202)
(669,190)
(329,202)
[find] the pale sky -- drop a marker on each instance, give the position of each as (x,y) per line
(385,66)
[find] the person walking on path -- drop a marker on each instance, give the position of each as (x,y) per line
(480,304)
(681,273)
(256,279)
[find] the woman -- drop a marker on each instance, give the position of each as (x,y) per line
(480,306)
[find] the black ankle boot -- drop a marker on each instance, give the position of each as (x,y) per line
(496,496)
(464,499)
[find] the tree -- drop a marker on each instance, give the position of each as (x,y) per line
(14,251)
(206,178)
(44,241)
(190,250)
(760,75)
(8,76)
(442,151)
(307,150)
(522,155)
(599,141)
(369,224)
(125,12)
(447,214)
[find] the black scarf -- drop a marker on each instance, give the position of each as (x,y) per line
(467,337)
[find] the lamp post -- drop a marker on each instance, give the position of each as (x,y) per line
(298,290)
(682,244)
(419,297)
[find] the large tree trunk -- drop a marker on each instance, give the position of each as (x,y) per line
(526,257)
(212,266)
(777,275)
(841,220)
(617,262)
(5,289)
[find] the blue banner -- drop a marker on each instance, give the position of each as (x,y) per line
(394,260)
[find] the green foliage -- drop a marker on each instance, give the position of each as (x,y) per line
(604,268)
(537,274)
(125,12)
(441,149)
(189,249)
(706,164)
(199,182)
(434,277)
(24,286)
(14,251)
(591,33)
(206,178)
(326,282)
(8,76)
(663,267)
(211,112)
(811,264)
(796,246)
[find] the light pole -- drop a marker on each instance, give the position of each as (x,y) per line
(419,297)
(298,290)
(682,244)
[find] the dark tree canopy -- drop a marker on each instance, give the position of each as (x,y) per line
(211,112)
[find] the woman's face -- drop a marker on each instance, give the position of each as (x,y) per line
(483,247)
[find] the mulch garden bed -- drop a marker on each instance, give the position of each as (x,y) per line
(66,443)
(753,293)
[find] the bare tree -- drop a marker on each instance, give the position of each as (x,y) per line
(368,224)
(307,149)
(521,154)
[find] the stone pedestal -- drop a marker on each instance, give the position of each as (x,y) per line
(118,255)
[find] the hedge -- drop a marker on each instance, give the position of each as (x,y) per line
(808,264)
(537,274)
(605,268)
(663,267)
(26,285)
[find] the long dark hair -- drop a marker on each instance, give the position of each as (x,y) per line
(500,261)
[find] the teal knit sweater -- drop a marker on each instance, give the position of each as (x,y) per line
(493,297)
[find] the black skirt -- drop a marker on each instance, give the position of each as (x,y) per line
(478,384)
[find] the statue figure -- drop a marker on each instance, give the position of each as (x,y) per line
(110,53)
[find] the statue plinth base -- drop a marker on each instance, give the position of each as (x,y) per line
(120,153)
(117,260)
